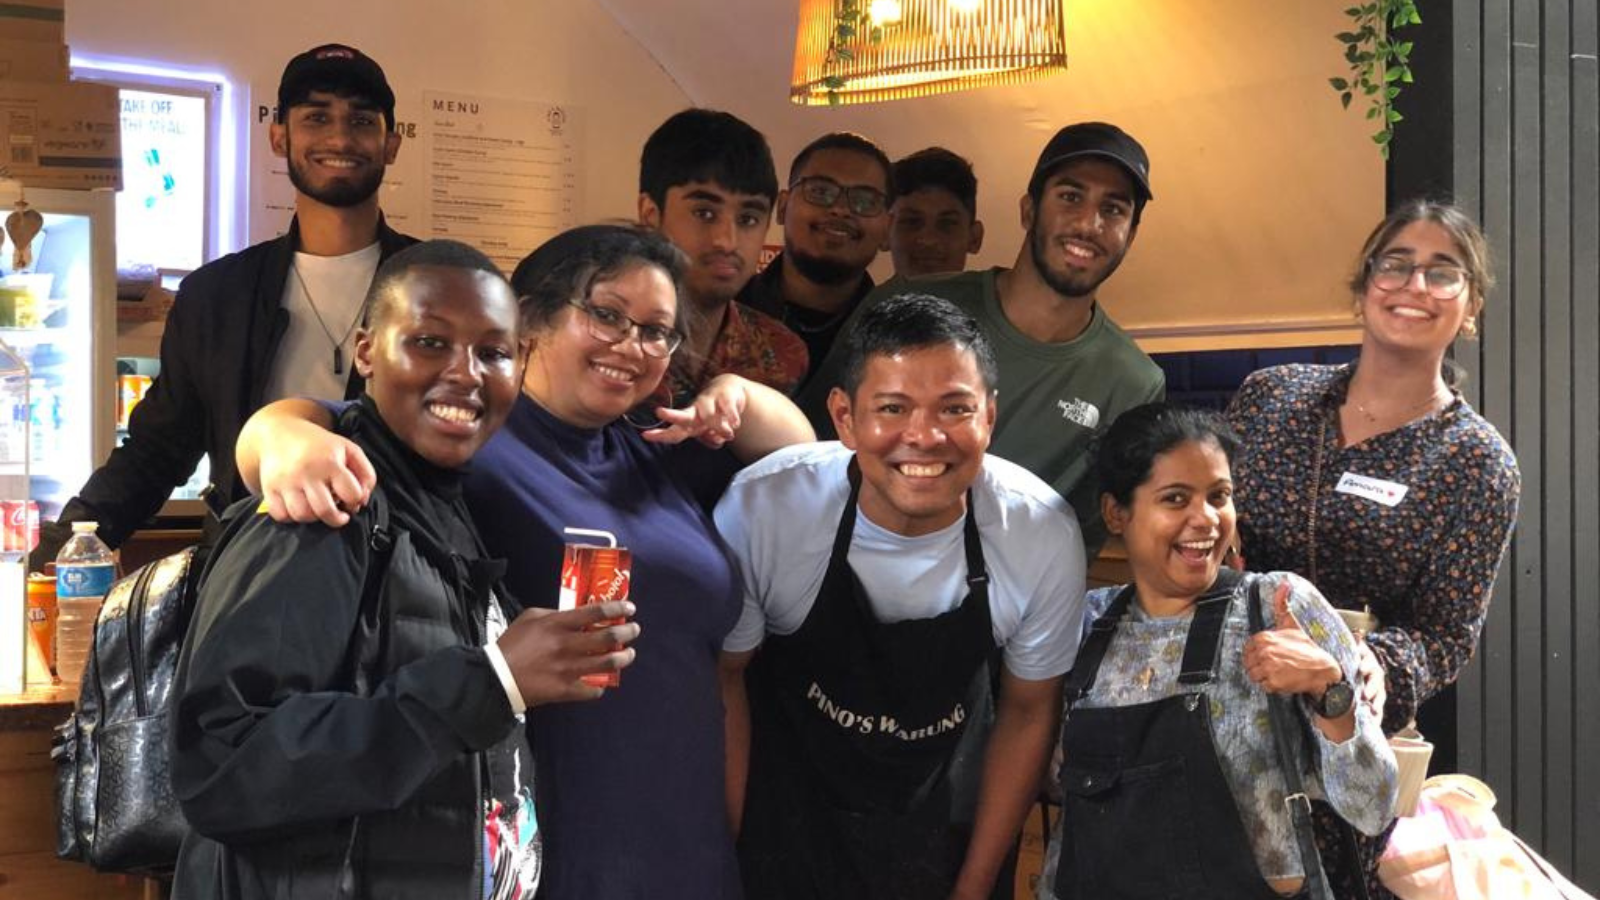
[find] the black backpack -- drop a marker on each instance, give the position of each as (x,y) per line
(114,804)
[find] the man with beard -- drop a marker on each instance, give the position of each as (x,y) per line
(1068,370)
(835,218)
(274,320)
(707,183)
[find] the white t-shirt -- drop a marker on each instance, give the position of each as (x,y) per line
(780,514)
(303,366)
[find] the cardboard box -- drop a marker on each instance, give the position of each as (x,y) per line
(33,61)
(61,135)
(43,21)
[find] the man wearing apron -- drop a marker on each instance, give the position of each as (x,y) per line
(882,575)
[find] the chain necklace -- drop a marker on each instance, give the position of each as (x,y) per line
(338,345)
(1403,415)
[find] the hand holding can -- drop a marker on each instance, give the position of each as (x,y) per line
(554,656)
(592,574)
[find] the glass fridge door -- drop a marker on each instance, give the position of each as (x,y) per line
(57,283)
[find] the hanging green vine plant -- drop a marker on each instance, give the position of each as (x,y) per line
(849,20)
(1379,63)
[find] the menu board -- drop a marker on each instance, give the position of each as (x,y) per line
(502,175)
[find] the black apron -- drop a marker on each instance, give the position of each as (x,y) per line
(1147,812)
(853,726)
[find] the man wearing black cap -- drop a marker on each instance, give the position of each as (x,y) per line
(274,320)
(1066,370)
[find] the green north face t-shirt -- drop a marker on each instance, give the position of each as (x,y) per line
(1054,399)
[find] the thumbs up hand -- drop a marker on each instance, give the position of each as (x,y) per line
(1283,659)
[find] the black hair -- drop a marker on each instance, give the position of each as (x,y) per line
(707,145)
(936,167)
(855,143)
(439,252)
(1128,449)
(912,321)
(567,266)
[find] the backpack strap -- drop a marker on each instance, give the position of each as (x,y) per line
(360,652)
(1296,801)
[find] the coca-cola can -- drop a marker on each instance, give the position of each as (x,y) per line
(20,533)
(594,574)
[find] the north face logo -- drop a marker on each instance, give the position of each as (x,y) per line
(1081,411)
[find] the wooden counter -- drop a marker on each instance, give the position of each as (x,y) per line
(29,869)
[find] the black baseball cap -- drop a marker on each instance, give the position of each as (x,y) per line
(338,69)
(1094,139)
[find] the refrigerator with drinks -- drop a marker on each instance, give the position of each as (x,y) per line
(58,313)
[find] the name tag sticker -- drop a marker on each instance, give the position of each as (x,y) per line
(1377,490)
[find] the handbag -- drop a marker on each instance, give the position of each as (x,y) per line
(1454,848)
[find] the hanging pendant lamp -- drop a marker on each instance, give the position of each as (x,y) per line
(852,51)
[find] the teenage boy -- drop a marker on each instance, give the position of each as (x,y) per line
(882,575)
(274,320)
(707,183)
(835,218)
(1068,370)
(935,214)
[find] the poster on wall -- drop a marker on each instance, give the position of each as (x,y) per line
(161,209)
(502,175)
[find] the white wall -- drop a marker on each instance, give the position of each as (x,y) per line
(1264,186)
(565,51)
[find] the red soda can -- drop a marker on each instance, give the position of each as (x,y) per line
(19,535)
(596,574)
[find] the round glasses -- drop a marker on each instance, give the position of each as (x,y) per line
(611,326)
(1443,281)
(825,192)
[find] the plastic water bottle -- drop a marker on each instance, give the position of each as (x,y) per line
(84,572)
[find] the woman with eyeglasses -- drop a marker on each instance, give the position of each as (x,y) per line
(1378,483)
(631,794)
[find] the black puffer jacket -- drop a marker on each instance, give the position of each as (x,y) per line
(317,742)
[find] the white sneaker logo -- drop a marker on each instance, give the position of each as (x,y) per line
(1081,411)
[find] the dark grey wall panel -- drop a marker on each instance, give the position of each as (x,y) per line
(1526,158)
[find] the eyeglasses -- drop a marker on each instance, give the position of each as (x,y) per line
(825,192)
(1444,281)
(612,327)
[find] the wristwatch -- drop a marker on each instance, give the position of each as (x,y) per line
(1335,701)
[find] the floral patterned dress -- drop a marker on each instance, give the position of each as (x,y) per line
(1411,523)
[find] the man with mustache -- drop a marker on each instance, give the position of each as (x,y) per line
(835,218)
(1068,370)
(707,183)
(274,320)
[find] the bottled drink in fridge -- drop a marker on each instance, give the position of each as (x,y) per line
(84,572)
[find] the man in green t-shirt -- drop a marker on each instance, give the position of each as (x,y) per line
(1066,370)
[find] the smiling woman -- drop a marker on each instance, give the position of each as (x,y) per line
(1170,785)
(1377,481)
(639,776)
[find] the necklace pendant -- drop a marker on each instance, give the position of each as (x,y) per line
(1145,677)
(338,360)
